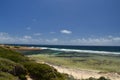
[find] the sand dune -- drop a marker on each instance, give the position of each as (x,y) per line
(84,74)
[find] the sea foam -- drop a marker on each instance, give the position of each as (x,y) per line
(81,51)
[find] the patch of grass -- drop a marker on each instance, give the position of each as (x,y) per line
(43,72)
(12,55)
(7,76)
(12,68)
(96,62)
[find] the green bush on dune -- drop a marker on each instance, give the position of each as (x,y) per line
(18,65)
(43,71)
(101,78)
(13,68)
(12,55)
(7,76)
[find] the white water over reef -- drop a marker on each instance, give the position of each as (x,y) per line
(81,51)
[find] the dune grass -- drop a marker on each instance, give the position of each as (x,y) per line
(96,62)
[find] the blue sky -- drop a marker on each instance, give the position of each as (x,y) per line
(70,22)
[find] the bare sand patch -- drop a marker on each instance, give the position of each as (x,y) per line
(82,73)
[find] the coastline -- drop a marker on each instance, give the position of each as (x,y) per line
(20,48)
(83,73)
(76,73)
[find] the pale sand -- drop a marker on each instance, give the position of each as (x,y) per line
(28,77)
(84,74)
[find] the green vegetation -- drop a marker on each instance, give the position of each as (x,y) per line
(15,66)
(103,63)
(101,78)
(16,47)
(12,55)
(37,70)
(7,76)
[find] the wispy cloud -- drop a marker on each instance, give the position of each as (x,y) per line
(97,41)
(37,34)
(27,39)
(66,31)
(52,41)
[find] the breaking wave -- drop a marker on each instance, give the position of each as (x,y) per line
(80,51)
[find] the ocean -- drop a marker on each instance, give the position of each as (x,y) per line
(80,49)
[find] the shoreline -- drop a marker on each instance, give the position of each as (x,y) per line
(76,73)
(31,48)
(83,73)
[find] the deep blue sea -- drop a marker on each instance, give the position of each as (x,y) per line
(83,49)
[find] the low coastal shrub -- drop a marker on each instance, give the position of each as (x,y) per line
(13,68)
(7,76)
(101,78)
(43,72)
(12,55)
(17,64)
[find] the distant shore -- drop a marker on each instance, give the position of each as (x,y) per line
(20,48)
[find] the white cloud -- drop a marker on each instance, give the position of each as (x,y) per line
(116,39)
(52,41)
(5,38)
(55,40)
(26,39)
(3,34)
(97,41)
(66,31)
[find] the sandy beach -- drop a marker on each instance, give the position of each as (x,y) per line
(82,73)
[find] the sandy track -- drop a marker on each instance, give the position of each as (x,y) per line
(28,77)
